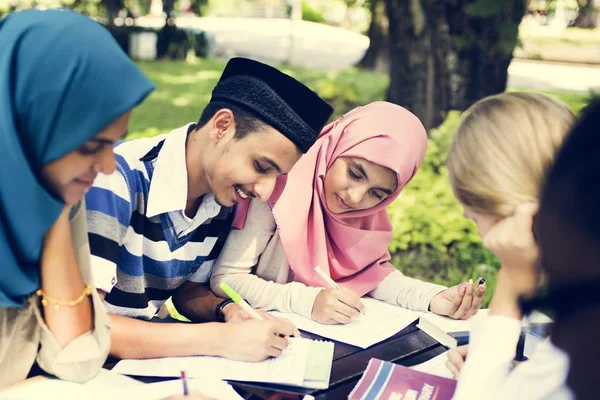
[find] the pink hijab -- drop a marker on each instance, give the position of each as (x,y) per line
(353,246)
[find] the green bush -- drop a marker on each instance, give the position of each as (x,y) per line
(432,240)
(310,14)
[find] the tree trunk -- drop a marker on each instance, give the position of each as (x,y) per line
(112,8)
(377,57)
(419,47)
(588,14)
(446,55)
(484,49)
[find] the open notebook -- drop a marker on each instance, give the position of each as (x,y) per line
(379,322)
(304,363)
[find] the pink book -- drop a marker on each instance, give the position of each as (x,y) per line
(388,381)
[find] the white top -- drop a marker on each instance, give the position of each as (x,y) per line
(487,370)
(169,187)
(253,263)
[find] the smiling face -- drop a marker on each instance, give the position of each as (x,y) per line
(237,168)
(70,176)
(353,184)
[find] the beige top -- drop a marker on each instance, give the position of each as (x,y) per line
(253,263)
(25,338)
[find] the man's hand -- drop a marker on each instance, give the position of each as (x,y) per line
(255,340)
(237,314)
(233,312)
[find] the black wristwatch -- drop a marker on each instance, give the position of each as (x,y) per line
(219,310)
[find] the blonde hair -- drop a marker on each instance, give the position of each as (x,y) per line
(503,149)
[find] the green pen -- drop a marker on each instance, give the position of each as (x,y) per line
(237,299)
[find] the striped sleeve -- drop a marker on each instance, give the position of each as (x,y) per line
(202,274)
(109,212)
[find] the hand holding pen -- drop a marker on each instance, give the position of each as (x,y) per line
(335,305)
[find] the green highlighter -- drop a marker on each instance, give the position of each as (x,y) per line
(237,299)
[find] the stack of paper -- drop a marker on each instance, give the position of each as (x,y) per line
(52,388)
(304,363)
(379,322)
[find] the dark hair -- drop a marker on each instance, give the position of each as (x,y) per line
(571,190)
(245,121)
(568,231)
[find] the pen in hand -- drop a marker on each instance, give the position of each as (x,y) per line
(237,299)
(331,283)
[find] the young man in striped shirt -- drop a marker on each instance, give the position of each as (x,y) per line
(158,223)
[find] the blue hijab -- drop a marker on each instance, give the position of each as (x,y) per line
(63,79)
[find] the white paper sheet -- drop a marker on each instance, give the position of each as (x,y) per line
(287,369)
(435,366)
(381,320)
(52,388)
(531,342)
(453,325)
(211,388)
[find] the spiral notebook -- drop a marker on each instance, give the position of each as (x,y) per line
(305,363)
(318,365)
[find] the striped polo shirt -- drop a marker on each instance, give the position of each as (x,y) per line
(143,245)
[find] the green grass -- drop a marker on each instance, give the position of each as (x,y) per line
(184,88)
(576,101)
(544,36)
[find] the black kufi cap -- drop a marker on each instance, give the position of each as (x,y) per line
(276,98)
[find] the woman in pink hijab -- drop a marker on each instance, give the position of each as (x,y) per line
(330,211)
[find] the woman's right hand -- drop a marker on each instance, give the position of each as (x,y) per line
(511,239)
(336,306)
(456,359)
(255,340)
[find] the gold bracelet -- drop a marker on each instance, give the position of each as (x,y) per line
(46,299)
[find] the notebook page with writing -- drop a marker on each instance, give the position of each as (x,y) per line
(379,322)
(287,369)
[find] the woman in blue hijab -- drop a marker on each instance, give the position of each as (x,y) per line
(66,93)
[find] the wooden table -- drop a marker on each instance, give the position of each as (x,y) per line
(408,347)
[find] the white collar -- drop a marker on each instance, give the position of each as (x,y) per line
(168,187)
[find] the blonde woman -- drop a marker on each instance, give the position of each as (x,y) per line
(497,163)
